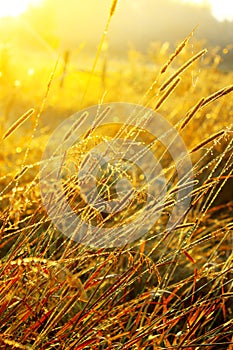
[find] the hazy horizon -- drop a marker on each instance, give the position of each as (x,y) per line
(74,23)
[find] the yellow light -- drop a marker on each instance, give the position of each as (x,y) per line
(31,71)
(17,83)
(221,10)
(15,8)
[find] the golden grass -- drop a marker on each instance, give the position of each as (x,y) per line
(18,122)
(208,140)
(191,113)
(168,290)
(178,50)
(182,69)
(167,93)
(218,94)
(113,7)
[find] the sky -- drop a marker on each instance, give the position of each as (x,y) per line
(15,7)
(221,9)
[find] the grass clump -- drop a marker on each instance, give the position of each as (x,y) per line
(167,290)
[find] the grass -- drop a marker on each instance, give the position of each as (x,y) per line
(166,290)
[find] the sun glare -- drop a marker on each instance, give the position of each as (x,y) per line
(15,8)
(222,10)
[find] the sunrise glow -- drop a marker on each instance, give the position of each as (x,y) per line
(14,8)
(221,10)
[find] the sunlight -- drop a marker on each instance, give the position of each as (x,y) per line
(221,10)
(14,8)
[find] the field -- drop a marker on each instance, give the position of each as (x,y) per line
(170,288)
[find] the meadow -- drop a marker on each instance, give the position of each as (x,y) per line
(165,290)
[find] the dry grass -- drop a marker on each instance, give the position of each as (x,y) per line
(18,122)
(167,290)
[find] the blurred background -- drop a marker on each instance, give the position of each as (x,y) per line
(76,25)
(35,34)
